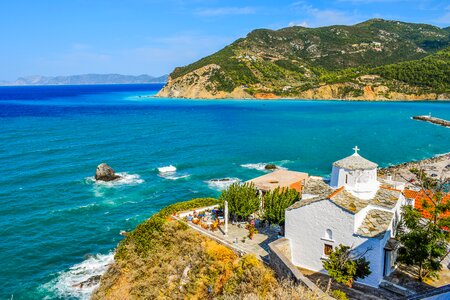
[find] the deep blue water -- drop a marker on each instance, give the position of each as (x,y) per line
(58,227)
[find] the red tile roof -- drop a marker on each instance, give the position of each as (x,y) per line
(296,186)
(410,194)
(421,198)
(336,192)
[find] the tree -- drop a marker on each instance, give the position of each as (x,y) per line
(345,267)
(424,234)
(243,200)
(276,202)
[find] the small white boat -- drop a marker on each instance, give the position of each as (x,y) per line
(167,169)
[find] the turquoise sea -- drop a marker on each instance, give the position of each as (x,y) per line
(58,227)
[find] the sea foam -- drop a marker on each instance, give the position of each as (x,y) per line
(167,169)
(262,166)
(222,184)
(81,279)
(125,179)
(173,176)
(170,173)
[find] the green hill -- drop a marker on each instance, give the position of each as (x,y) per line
(403,58)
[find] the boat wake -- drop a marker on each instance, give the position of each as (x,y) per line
(167,169)
(81,279)
(221,184)
(125,179)
(170,173)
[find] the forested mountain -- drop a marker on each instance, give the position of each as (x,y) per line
(376,59)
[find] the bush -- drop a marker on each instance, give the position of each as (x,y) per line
(146,233)
(243,200)
(344,268)
(276,202)
(338,294)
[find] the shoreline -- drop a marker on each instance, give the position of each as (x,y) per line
(437,166)
(438,162)
(298,99)
(28,85)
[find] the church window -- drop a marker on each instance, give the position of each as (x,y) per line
(327,249)
(346,178)
(329,234)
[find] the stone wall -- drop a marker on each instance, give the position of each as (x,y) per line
(280,262)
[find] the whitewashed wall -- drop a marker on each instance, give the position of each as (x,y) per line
(306,228)
(353,177)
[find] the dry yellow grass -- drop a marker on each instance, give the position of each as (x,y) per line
(183,264)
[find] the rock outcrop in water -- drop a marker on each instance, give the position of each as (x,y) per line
(270,167)
(105,173)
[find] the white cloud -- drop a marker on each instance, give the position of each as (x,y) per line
(220,11)
(445,19)
(302,24)
(323,17)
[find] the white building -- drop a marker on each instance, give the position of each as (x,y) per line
(355,209)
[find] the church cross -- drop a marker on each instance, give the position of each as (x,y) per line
(356,149)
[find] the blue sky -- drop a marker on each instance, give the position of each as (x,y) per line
(63,37)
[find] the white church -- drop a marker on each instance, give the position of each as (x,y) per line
(355,208)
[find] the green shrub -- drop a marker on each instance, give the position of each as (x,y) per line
(243,200)
(344,268)
(276,202)
(147,232)
(338,294)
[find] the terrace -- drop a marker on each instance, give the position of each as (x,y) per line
(210,222)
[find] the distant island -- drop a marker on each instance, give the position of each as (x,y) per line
(374,60)
(86,79)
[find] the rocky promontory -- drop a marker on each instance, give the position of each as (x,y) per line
(436,167)
(370,61)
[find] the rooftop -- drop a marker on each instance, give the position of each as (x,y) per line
(281,179)
(355,162)
(346,200)
(376,222)
(385,197)
(423,203)
(314,189)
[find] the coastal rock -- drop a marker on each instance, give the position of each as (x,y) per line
(105,173)
(90,282)
(221,180)
(198,84)
(436,165)
(270,167)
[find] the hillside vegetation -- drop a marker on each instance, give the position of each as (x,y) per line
(353,61)
(165,259)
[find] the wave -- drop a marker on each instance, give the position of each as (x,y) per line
(81,279)
(170,172)
(125,179)
(222,184)
(167,169)
(262,166)
(173,176)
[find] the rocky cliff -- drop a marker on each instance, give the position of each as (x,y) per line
(373,60)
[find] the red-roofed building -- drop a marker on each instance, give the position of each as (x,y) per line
(420,198)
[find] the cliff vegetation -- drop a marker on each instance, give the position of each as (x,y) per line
(165,259)
(376,59)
